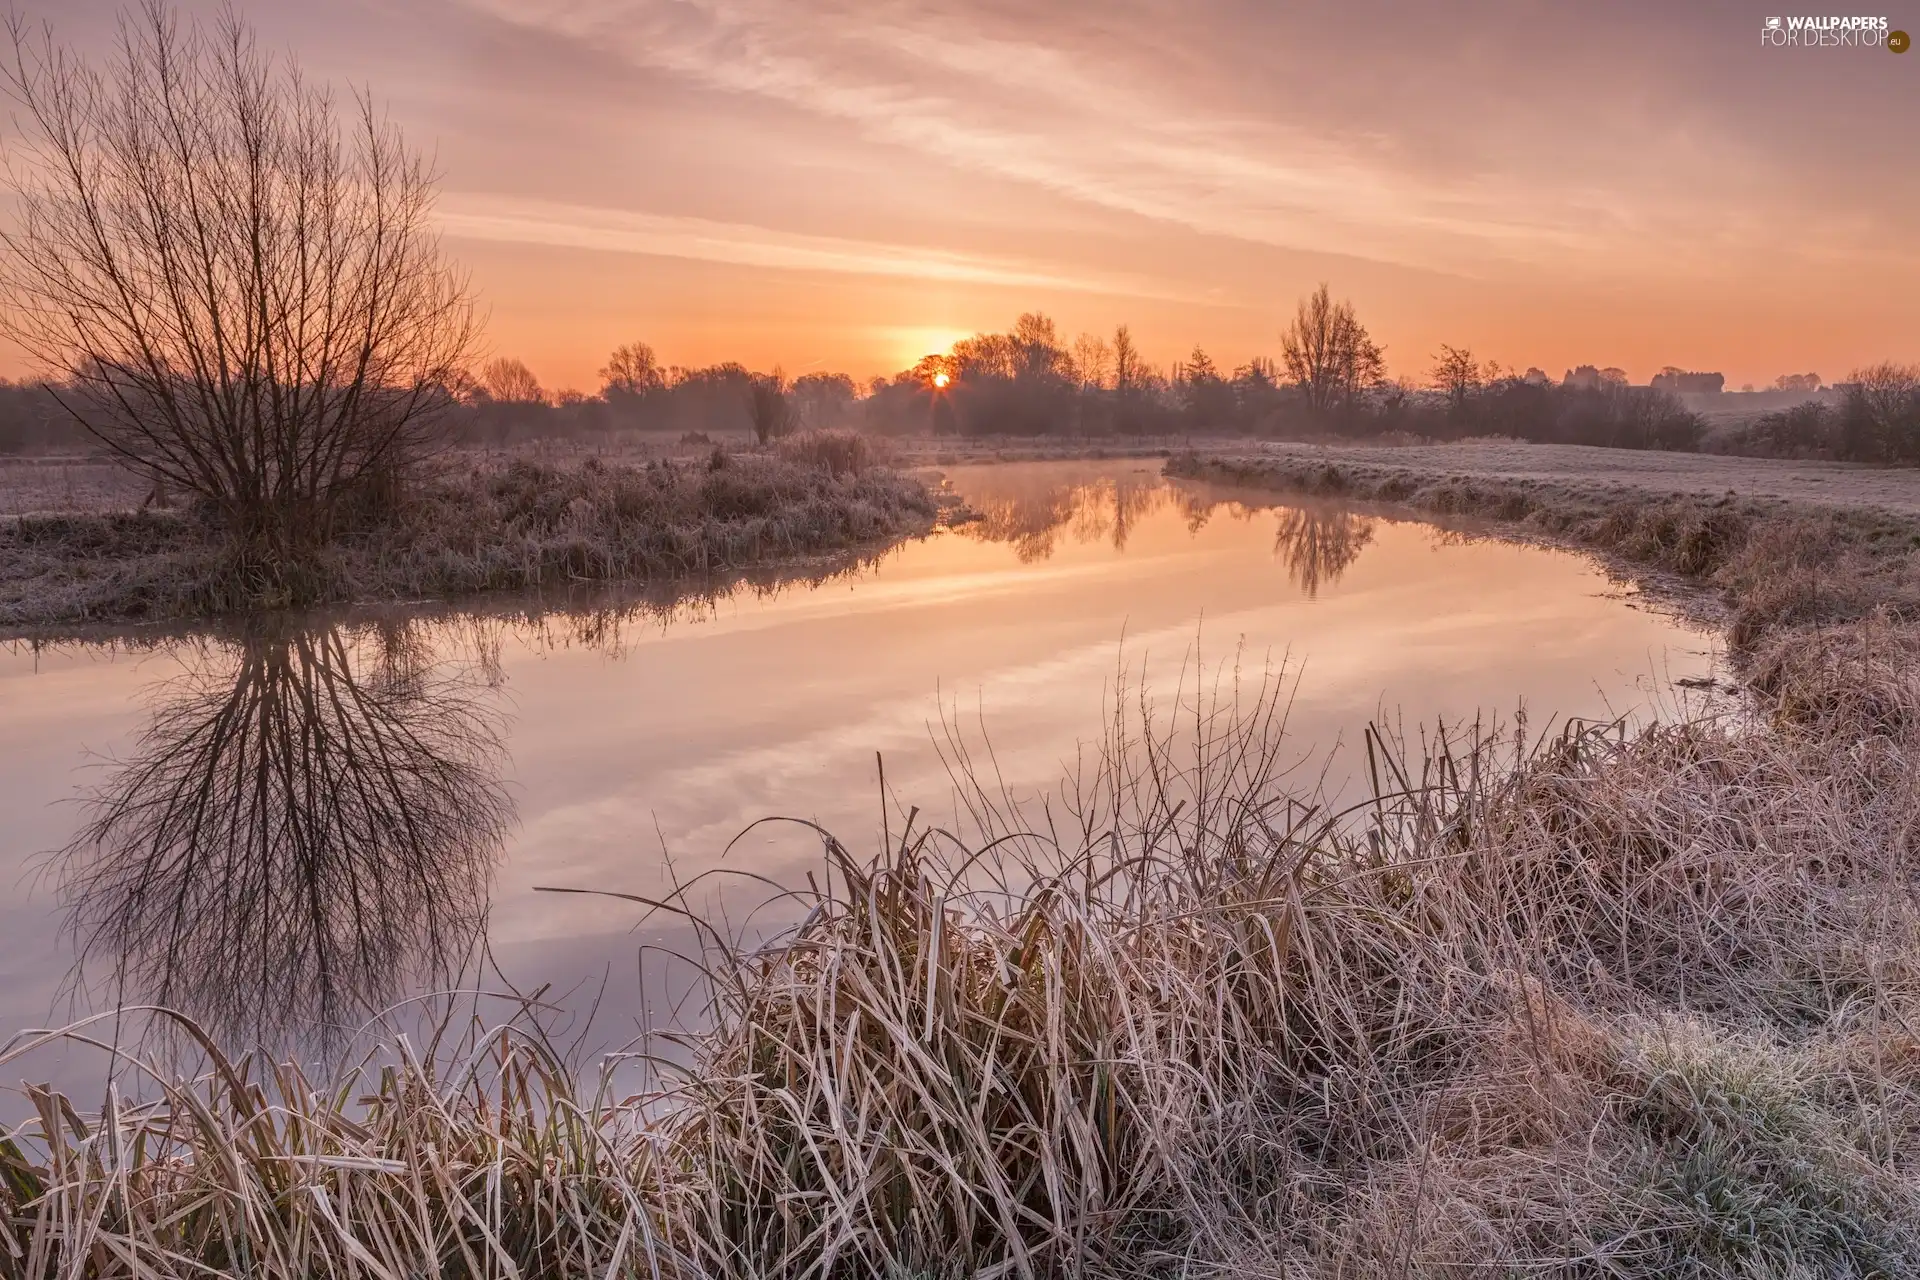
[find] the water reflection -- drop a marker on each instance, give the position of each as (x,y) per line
(1318,546)
(1035,511)
(307,824)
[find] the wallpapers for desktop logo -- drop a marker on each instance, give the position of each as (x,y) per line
(1832,32)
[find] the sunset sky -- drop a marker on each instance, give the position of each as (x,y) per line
(823,184)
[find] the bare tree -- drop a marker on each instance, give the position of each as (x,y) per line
(632,371)
(509,381)
(1328,352)
(1129,370)
(822,399)
(242,293)
(769,407)
(309,820)
(1092,361)
(1458,376)
(1889,391)
(1882,415)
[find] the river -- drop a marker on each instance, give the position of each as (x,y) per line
(285,826)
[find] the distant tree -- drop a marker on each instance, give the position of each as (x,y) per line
(632,371)
(509,381)
(1091,361)
(1882,412)
(1612,376)
(1798,382)
(1199,367)
(1208,398)
(768,406)
(822,399)
(986,355)
(930,370)
(1456,375)
(1040,353)
(1128,367)
(242,295)
(1328,353)
(31,419)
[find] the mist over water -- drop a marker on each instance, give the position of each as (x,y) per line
(286,828)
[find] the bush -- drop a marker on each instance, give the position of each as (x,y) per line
(838,453)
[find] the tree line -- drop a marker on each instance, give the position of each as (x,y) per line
(1330,380)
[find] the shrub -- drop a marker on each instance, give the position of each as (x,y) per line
(839,453)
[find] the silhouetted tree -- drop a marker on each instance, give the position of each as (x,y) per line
(632,371)
(768,407)
(509,381)
(1457,376)
(1207,397)
(1881,413)
(242,297)
(822,399)
(1128,368)
(1328,352)
(1092,361)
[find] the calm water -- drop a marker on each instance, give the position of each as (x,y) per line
(295,826)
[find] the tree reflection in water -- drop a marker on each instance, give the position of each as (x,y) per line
(309,822)
(1107,509)
(1319,546)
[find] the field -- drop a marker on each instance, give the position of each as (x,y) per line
(1585,467)
(65,484)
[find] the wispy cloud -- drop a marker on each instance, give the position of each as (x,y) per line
(1065,120)
(514,220)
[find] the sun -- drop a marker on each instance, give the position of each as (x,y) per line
(941,379)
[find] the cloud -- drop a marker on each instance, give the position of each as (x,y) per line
(1104,131)
(514,220)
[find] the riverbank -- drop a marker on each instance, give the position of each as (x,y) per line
(1775,562)
(473,525)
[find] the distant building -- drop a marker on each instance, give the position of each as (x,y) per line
(1685,383)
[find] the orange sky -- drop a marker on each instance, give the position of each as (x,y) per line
(824,184)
